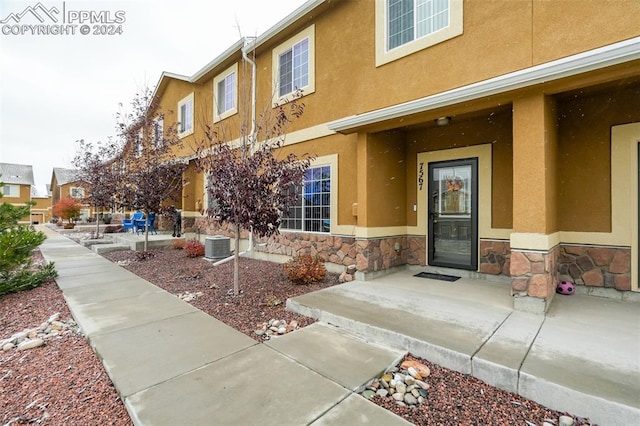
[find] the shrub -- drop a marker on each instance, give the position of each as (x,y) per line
(17,242)
(193,248)
(305,269)
(178,244)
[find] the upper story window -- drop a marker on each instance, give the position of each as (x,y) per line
(312,210)
(10,190)
(404,27)
(158,132)
(294,65)
(412,19)
(225,93)
(76,192)
(138,143)
(185,116)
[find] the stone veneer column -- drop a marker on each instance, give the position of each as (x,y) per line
(534,251)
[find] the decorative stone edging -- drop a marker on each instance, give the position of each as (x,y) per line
(34,337)
(405,385)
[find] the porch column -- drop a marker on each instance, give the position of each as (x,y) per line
(534,242)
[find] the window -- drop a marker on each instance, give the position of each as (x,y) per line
(312,211)
(185,116)
(404,27)
(138,143)
(76,192)
(294,65)
(158,132)
(225,93)
(10,190)
(412,19)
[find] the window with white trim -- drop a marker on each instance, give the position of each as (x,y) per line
(10,190)
(185,116)
(404,27)
(138,143)
(158,132)
(225,93)
(76,192)
(294,65)
(409,20)
(312,210)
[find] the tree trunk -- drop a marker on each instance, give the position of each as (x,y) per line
(97,222)
(146,230)
(236,259)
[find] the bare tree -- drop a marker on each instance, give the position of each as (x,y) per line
(151,173)
(94,166)
(250,183)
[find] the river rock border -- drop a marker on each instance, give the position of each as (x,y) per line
(34,337)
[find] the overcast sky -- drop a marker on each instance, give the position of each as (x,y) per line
(56,89)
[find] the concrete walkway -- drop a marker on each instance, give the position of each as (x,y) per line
(173,364)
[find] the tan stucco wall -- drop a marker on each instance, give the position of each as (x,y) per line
(495,129)
(563,28)
(345,147)
(584,155)
(503,36)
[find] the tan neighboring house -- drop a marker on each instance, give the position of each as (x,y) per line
(18,181)
(41,211)
(64,183)
(488,139)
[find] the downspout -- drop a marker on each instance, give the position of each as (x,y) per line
(249,42)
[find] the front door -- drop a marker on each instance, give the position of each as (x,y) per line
(453,218)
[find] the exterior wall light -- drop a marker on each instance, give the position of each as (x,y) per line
(442,121)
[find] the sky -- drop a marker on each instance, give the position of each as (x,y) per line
(56,89)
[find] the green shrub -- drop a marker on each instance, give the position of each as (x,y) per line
(305,269)
(17,243)
(193,248)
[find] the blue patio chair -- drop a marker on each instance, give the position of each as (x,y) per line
(130,224)
(142,224)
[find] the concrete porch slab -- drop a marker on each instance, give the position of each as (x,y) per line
(256,386)
(498,361)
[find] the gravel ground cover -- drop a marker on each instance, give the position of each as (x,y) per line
(63,382)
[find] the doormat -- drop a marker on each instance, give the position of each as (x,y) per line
(440,277)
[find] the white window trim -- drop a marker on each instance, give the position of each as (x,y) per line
(217,116)
(11,188)
(309,33)
(158,122)
(79,189)
(186,99)
(139,141)
(384,56)
(331,161)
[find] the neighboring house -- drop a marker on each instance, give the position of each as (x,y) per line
(64,183)
(481,138)
(41,211)
(17,180)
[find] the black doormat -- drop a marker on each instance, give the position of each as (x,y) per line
(440,277)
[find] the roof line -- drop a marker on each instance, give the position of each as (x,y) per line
(286,22)
(591,60)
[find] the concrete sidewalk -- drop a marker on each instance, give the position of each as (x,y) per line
(172,364)
(583,357)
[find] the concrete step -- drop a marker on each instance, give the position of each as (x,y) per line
(105,248)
